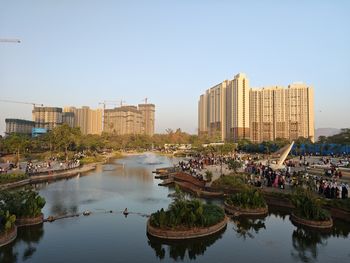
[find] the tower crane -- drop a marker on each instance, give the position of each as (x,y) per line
(23,102)
(10,40)
(145,100)
(108,102)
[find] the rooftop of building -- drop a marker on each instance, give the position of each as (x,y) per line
(21,121)
(47,109)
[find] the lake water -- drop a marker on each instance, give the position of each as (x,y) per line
(107,236)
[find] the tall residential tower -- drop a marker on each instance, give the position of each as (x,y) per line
(234,111)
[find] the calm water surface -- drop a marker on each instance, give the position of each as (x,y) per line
(110,237)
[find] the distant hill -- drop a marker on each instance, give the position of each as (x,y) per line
(326,132)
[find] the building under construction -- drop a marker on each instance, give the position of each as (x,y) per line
(130,120)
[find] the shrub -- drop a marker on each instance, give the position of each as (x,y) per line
(184,213)
(230,181)
(234,165)
(12,177)
(308,206)
(208,175)
(24,203)
(7,221)
(92,159)
(248,198)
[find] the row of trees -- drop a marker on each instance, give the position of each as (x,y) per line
(64,138)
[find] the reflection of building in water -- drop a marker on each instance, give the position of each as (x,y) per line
(140,173)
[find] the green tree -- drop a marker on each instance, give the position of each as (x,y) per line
(234,165)
(65,136)
(16,143)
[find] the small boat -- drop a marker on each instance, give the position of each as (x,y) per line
(86,213)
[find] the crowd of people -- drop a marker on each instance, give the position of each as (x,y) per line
(50,166)
(329,187)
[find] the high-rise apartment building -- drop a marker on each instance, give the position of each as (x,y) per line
(223,110)
(47,117)
(147,111)
(256,114)
(19,126)
(130,120)
(88,120)
(68,118)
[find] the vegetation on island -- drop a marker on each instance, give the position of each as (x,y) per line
(184,214)
(25,203)
(248,198)
(7,221)
(309,206)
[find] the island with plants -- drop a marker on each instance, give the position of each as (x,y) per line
(248,201)
(25,204)
(8,229)
(186,219)
(308,210)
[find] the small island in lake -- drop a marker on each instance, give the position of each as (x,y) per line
(185,219)
(248,201)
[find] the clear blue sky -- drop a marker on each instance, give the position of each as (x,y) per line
(82,52)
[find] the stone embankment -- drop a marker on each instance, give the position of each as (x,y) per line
(8,236)
(30,221)
(327,224)
(191,233)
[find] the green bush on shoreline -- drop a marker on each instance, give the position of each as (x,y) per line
(12,177)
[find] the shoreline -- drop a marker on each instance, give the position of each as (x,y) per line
(62,174)
(48,177)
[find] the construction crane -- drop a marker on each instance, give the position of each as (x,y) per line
(108,102)
(10,40)
(23,102)
(145,100)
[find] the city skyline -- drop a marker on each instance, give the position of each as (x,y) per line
(131,51)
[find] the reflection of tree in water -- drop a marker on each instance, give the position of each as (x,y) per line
(246,227)
(279,212)
(177,249)
(29,236)
(306,242)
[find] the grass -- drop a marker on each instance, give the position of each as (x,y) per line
(12,177)
(92,159)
